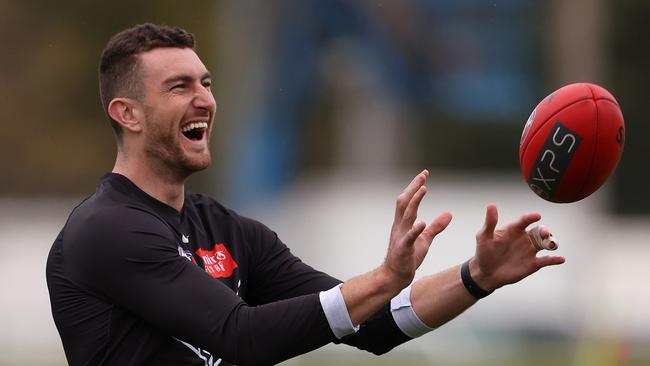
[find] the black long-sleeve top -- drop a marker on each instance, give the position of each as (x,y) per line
(133,281)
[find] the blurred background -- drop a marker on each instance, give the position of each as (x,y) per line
(326,110)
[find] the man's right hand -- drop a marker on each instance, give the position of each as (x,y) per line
(407,247)
(410,241)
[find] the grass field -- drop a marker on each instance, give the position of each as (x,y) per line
(588,353)
(442,350)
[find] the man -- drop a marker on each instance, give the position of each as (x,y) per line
(145,273)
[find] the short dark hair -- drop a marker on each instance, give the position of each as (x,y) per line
(118,67)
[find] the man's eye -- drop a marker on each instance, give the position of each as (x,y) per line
(207,84)
(178,87)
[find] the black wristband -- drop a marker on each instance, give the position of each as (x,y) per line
(472,287)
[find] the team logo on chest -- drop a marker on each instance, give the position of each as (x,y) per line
(187,254)
(218,261)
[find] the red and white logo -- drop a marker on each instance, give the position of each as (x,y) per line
(218,261)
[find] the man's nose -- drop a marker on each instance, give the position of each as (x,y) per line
(204,99)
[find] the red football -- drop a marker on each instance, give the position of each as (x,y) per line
(572,142)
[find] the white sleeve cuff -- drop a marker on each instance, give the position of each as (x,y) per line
(336,312)
(405,317)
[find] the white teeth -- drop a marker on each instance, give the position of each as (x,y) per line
(194,125)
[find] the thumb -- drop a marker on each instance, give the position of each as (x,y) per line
(491,219)
(437,226)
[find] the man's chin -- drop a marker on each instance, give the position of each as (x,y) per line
(196,165)
(188,164)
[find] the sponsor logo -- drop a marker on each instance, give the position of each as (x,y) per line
(553,159)
(207,357)
(185,253)
(218,262)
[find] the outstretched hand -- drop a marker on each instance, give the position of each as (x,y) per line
(410,241)
(509,254)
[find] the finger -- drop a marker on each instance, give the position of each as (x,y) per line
(436,226)
(544,232)
(541,238)
(405,197)
(549,260)
(526,220)
(534,242)
(546,235)
(411,212)
(491,219)
(414,232)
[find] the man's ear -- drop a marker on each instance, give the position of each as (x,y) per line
(126,112)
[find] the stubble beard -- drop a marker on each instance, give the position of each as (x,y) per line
(165,150)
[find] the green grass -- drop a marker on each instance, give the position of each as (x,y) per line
(567,353)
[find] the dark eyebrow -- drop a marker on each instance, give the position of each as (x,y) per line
(185,78)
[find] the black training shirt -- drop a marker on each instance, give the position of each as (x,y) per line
(132,281)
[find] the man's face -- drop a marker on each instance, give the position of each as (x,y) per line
(179,110)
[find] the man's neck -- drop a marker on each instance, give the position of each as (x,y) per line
(164,186)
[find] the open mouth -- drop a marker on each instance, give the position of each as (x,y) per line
(195,131)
